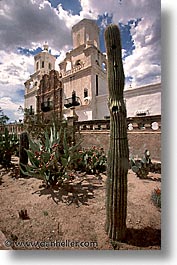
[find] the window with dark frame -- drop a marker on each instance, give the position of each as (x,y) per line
(96,85)
(85,92)
(37,65)
(42,64)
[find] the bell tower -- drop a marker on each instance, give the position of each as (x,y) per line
(84,70)
(44,62)
(85,32)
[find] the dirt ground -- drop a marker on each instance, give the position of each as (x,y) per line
(74,218)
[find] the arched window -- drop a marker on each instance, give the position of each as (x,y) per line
(85,92)
(42,64)
(104,66)
(68,66)
(96,84)
(50,66)
(78,62)
(37,66)
(87,37)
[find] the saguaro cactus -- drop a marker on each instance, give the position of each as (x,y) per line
(116,203)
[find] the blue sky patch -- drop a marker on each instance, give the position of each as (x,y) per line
(127,40)
(74,5)
(126,37)
(102,22)
(20,93)
(28,52)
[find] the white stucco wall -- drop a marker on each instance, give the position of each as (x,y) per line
(101,107)
(30,101)
(148,103)
(142,99)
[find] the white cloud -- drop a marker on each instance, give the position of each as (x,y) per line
(7,103)
(15,68)
(10,108)
(14,71)
(144,63)
(30,23)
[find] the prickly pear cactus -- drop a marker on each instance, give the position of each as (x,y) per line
(24,144)
(118,157)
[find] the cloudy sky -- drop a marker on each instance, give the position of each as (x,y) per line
(26,24)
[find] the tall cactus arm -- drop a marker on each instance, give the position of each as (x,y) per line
(114,68)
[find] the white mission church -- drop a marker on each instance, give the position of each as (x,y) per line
(84,71)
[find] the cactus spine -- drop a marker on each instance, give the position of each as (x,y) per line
(116,204)
(23,156)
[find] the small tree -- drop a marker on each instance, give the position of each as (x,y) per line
(3,117)
(118,152)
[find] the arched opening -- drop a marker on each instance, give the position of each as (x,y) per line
(103,66)
(78,62)
(37,66)
(85,92)
(68,66)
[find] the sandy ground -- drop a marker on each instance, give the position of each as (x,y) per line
(74,217)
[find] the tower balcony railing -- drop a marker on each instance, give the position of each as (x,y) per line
(73,70)
(29,111)
(69,102)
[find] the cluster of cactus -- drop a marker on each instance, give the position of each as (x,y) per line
(8,146)
(118,157)
(142,167)
(51,157)
(92,160)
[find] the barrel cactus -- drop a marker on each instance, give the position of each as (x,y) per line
(118,157)
(23,156)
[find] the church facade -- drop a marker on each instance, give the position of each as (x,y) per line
(82,73)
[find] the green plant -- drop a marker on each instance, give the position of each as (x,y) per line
(45,213)
(51,157)
(142,167)
(24,144)
(118,157)
(92,160)
(156,197)
(3,117)
(8,146)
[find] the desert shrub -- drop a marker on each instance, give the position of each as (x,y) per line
(141,167)
(155,168)
(92,160)
(156,197)
(9,144)
(52,157)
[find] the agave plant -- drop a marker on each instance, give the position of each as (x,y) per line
(51,158)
